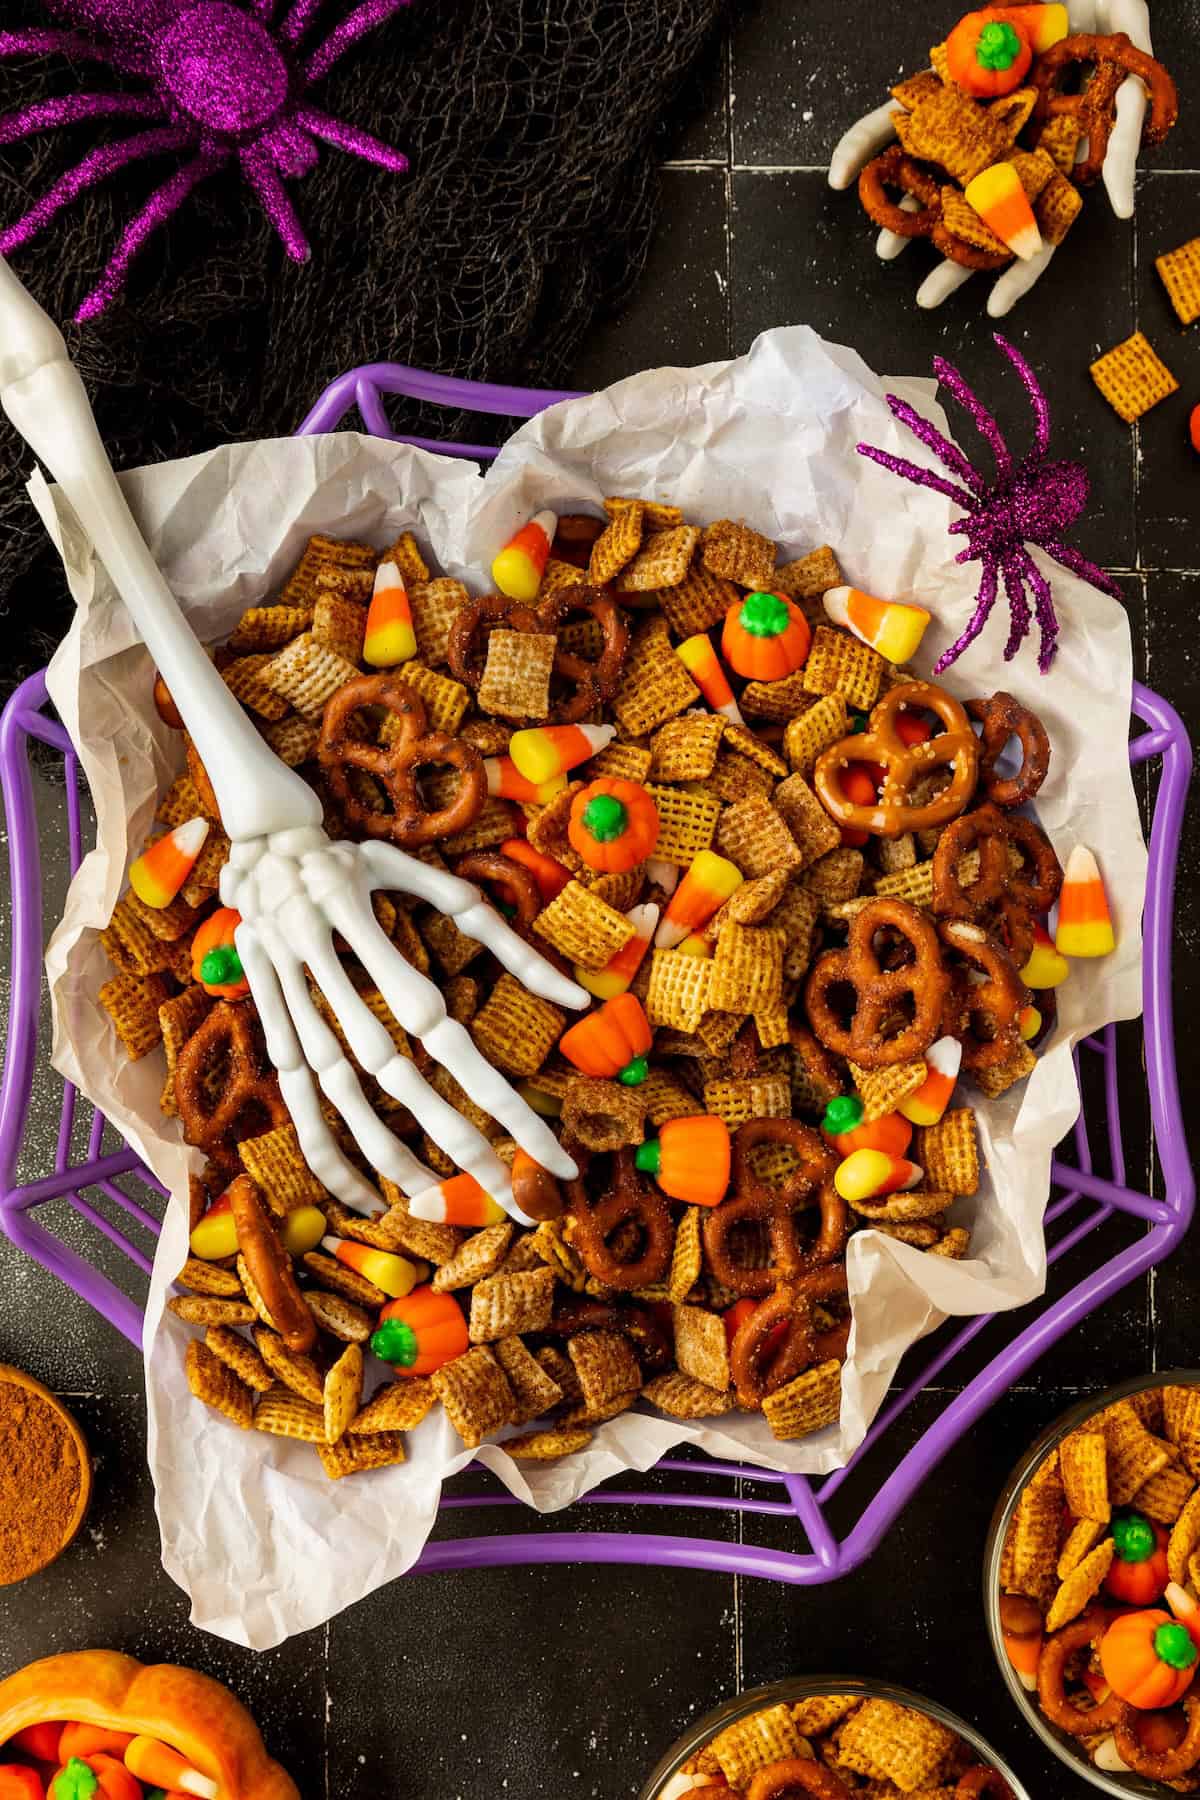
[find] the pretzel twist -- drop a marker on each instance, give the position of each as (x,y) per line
(637,1323)
(588,683)
(879,992)
(271,1267)
(1082,1633)
(982,1781)
(394,766)
(982,1015)
(753,1200)
(627,1197)
(797,1775)
(893,169)
(756,1372)
(1002,718)
(1094,106)
(515,883)
(1002,896)
(1161,1765)
(904,765)
(225,1087)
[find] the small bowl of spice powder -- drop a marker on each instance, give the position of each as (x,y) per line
(45,1476)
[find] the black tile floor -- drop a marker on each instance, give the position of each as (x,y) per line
(570,1681)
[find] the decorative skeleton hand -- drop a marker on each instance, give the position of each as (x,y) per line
(872,133)
(292,886)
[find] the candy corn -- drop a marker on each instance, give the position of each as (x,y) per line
(544,751)
(1024,1653)
(696,944)
(1045,24)
(662,874)
(1046,967)
(519,568)
(389,637)
(1084,922)
(157,875)
(505,779)
(215,1235)
(1029,1023)
(843,1126)
(396,1275)
(889,626)
(617,973)
(1184,1608)
(1003,205)
(550,876)
(869,1174)
(943,1060)
(704,666)
(163,1767)
(458,1201)
(709,882)
(302,1230)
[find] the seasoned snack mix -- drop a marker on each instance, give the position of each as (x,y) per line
(802,910)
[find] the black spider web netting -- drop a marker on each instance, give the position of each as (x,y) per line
(532,127)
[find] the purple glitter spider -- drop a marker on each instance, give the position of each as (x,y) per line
(1033,501)
(227,82)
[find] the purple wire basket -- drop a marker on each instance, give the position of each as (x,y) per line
(95,1186)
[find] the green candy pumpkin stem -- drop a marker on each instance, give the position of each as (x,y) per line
(75,1782)
(635,1072)
(648,1157)
(1173,1645)
(764,615)
(222,966)
(842,1114)
(395,1342)
(605,818)
(998,46)
(1134,1538)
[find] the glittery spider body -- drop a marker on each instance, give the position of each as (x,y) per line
(226,83)
(1033,501)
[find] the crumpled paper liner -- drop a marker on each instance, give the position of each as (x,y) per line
(251,1529)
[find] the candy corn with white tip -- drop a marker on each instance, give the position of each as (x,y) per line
(709,882)
(543,752)
(506,780)
(1003,205)
(614,978)
(891,627)
(870,1174)
(1024,1653)
(1046,967)
(519,568)
(157,875)
(158,1765)
(396,1275)
(389,637)
(662,874)
(458,1201)
(942,1060)
(708,672)
(1084,922)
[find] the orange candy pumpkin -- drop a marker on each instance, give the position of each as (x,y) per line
(613,824)
(689,1159)
(613,1040)
(216,964)
(988,53)
(1148,1658)
(420,1332)
(765,637)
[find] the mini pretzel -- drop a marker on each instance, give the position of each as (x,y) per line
(1161,1765)
(893,169)
(1082,1633)
(956,747)
(879,992)
(1001,896)
(754,1373)
(982,1781)
(1003,718)
(1094,107)
(797,1775)
(812,1184)
(514,881)
(394,766)
(270,1267)
(627,1197)
(590,683)
(637,1323)
(225,1087)
(993,1003)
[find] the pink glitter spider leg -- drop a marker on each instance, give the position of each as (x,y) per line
(52,43)
(298,18)
(1033,387)
(70,109)
(264,178)
(900,465)
(982,419)
(153,216)
(351,139)
(1043,606)
(984,603)
(1070,558)
(1018,608)
(948,454)
(364,18)
(292,151)
(95,167)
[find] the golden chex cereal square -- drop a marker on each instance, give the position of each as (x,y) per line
(677,994)
(752,1743)
(284,1414)
(737,553)
(132,1003)
(809,576)
(882,1090)
(306,674)
(536,1390)
(629,761)
(682,1397)
(667,1098)
(583,927)
(1132,377)
(355,1454)
(1185,1535)
(783,700)
(209,1278)
(701,1346)
(506,1305)
(229,1347)
(1164,1496)
(606,1368)
(809,1402)
(603,1115)
(218,1386)
(902,1745)
(475,1393)
(1134,1454)
(408,559)
(339,1317)
(294,1370)
(748,743)
(747,968)
(340,624)
(685,749)
(806,819)
(480,1256)
(244,679)
(1083,1461)
(435,605)
(548,1445)
(337,1278)
(269,627)
(663,560)
(836,876)
(1081,1585)
(617,544)
(1179,270)
(698,602)
(686,822)
(446,701)
(398,1406)
(948,1153)
(657,515)
(342,1393)
(276,1163)
(840,664)
(516,1030)
(294,739)
(1081,1540)
(752,835)
(655,686)
(516,676)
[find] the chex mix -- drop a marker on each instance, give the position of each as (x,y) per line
(1099,1578)
(790,874)
(834,1746)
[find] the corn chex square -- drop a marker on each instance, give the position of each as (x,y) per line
(617,544)
(808,576)
(354,1455)
(806,819)
(516,676)
(340,624)
(1083,1462)
(1132,377)
(606,1368)
(807,1403)
(698,602)
(686,822)
(739,554)
(840,664)
(655,686)
(701,1346)
(132,1003)
(515,1029)
(536,1390)
(506,1305)
(885,1739)
(677,994)
(583,927)
(1179,270)
(446,700)
(685,749)
(737,1099)
(948,1152)
(782,701)
(747,968)
(752,835)
(306,674)
(399,1406)
(683,1397)
(211,1381)
(663,560)
(435,605)
(753,1743)
(244,679)
(276,1163)
(475,1393)
(269,627)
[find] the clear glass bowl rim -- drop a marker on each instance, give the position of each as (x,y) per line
(1120,1787)
(805,1687)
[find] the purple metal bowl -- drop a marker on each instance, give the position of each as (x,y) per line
(114,1194)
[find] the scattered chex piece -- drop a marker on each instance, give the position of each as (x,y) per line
(1133,378)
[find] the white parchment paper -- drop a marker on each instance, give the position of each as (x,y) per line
(262,1543)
